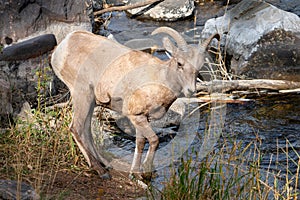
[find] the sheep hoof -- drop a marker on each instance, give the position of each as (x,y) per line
(147,176)
(138,180)
(135,176)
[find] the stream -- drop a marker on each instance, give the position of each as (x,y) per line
(274,122)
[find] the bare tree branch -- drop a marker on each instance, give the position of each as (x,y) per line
(128,7)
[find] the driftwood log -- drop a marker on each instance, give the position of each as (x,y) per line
(256,84)
(29,49)
(240,91)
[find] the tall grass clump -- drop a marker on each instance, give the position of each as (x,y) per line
(39,144)
(232,172)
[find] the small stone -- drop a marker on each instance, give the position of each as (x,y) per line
(105,176)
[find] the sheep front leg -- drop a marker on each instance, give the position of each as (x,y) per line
(148,162)
(83,107)
(144,129)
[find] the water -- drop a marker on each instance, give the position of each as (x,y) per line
(274,122)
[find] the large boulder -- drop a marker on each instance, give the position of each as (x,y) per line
(259,36)
(23,18)
(168,10)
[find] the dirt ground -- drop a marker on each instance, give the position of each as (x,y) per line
(87,185)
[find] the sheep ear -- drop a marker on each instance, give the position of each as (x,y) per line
(168,45)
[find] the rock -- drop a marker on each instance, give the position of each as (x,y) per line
(250,23)
(142,44)
(226,2)
(9,190)
(6,102)
(168,10)
(106,176)
(292,6)
(29,48)
(5,96)
(24,18)
(277,57)
(29,78)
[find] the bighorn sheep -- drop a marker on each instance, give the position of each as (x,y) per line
(136,84)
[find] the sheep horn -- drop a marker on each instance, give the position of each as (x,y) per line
(205,44)
(174,34)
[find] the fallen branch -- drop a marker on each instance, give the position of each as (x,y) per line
(128,7)
(257,84)
(219,98)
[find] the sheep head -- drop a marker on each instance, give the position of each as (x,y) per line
(184,52)
(179,64)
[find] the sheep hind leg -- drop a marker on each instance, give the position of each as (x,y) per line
(135,171)
(83,107)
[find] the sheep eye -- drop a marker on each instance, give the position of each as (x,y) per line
(180,63)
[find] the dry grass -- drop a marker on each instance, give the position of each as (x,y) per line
(39,144)
(233,172)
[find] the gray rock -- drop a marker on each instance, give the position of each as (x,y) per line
(5,96)
(141,44)
(6,102)
(105,176)
(168,10)
(245,25)
(24,77)
(277,57)
(292,6)
(9,190)
(23,18)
